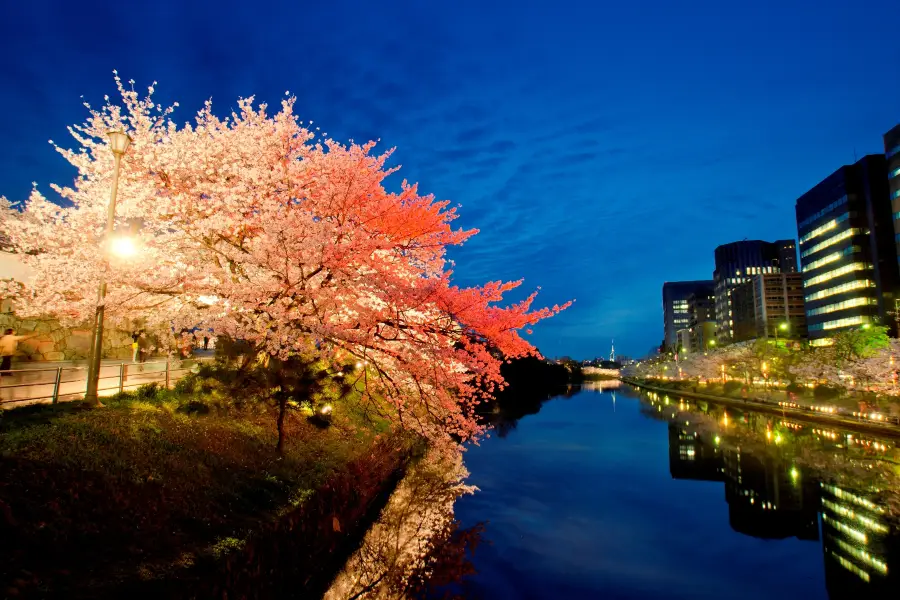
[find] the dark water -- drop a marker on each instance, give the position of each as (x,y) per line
(613,495)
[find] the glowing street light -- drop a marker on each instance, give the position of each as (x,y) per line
(118,144)
(123,246)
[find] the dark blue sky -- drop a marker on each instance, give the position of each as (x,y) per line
(602,148)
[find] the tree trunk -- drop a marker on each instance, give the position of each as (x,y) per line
(282,409)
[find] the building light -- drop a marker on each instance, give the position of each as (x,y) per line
(840,289)
(830,308)
(832,224)
(833,257)
(845,322)
(829,275)
(862,556)
(850,566)
(831,241)
(859,536)
(852,498)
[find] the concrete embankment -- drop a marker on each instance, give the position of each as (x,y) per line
(764,406)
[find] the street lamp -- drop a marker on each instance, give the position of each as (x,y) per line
(783,327)
(118,144)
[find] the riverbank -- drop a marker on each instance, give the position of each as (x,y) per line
(819,415)
(182,495)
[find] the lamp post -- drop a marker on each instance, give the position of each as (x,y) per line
(118,144)
(783,327)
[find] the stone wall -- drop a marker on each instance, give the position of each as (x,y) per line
(55,342)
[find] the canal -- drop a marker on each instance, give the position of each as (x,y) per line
(616,494)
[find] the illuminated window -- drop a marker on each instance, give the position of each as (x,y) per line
(831,241)
(830,308)
(840,289)
(895,194)
(845,322)
(829,275)
(831,258)
(894,173)
(822,342)
(827,209)
(832,224)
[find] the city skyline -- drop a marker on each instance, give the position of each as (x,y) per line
(578,140)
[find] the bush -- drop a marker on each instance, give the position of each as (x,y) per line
(732,386)
(795,388)
(827,391)
(148,392)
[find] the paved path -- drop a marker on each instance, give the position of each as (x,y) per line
(33,382)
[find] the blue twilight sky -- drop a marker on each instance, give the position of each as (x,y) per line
(602,148)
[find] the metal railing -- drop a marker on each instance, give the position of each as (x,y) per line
(55,384)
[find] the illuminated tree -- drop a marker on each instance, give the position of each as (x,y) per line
(253,227)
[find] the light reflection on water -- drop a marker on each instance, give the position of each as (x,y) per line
(605,494)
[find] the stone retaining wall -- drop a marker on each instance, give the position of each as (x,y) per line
(55,342)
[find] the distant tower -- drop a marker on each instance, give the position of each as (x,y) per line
(612,352)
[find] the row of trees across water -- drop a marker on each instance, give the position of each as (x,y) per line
(862,359)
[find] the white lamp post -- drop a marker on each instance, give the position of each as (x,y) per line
(118,144)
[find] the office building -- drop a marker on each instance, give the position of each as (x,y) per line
(675,307)
(847,249)
(892,156)
(769,306)
(683,339)
(702,314)
(736,263)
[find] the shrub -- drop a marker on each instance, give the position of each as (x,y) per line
(795,388)
(827,391)
(732,386)
(149,392)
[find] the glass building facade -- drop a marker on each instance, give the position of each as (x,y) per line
(737,263)
(847,250)
(676,307)
(892,156)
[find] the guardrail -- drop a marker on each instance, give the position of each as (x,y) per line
(52,385)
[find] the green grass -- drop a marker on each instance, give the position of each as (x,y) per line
(152,481)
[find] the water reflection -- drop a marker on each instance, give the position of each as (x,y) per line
(607,493)
(416,545)
(769,498)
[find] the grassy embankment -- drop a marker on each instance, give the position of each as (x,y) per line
(181,492)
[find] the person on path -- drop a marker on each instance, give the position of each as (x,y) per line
(135,346)
(9,343)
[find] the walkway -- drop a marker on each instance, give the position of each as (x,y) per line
(42,382)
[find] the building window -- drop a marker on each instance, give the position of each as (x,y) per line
(853,303)
(832,224)
(825,260)
(829,275)
(840,202)
(840,289)
(831,241)
(893,151)
(845,322)
(894,173)
(895,194)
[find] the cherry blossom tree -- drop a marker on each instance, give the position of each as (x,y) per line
(258,228)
